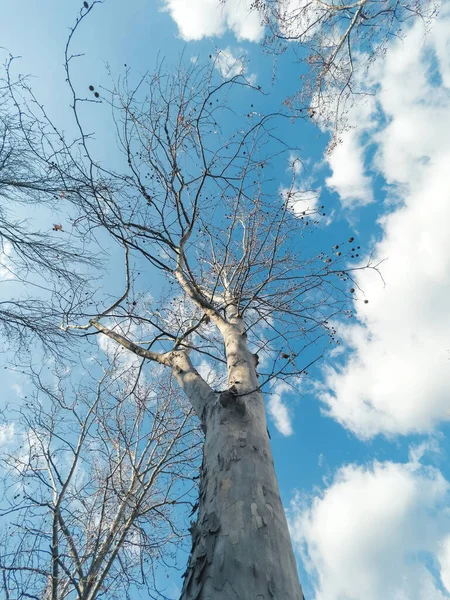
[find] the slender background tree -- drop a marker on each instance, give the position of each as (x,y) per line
(96,482)
(39,270)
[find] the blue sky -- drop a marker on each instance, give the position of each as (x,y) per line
(362,452)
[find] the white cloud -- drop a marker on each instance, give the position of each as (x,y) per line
(348,177)
(5,262)
(418,451)
(123,359)
(295,164)
(229,65)
(17,389)
(211,375)
(299,19)
(346,157)
(300,195)
(197,19)
(374,532)
(278,410)
(397,377)
(302,200)
(444,561)
(7,433)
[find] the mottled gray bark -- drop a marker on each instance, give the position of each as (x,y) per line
(240,542)
(241,547)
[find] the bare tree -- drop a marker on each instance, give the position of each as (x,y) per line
(95,483)
(41,267)
(235,283)
(240,291)
(329,38)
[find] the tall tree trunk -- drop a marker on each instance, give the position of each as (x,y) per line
(241,547)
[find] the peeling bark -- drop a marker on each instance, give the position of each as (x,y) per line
(240,542)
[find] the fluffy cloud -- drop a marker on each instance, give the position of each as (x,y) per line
(375,532)
(300,19)
(213,377)
(123,359)
(301,200)
(197,19)
(7,433)
(278,410)
(396,379)
(17,389)
(230,65)
(346,161)
(6,272)
(444,561)
(295,164)
(300,195)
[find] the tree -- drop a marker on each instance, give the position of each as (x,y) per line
(239,290)
(338,41)
(43,268)
(196,209)
(95,482)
